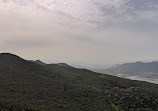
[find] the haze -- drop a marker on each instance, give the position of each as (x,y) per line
(77,31)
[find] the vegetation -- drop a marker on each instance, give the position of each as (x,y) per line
(57,88)
(6,105)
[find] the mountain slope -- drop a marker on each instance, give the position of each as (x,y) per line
(56,88)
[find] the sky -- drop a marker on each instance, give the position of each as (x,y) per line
(80,31)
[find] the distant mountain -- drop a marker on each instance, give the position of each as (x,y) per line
(38,62)
(63,65)
(136,68)
(58,64)
(30,86)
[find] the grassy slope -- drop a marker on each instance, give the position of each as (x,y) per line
(57,88)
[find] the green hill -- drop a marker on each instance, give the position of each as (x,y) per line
(30,86)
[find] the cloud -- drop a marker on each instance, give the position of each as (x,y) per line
(106,10)
(127,10)
(110,3)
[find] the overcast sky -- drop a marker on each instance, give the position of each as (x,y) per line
(80,31)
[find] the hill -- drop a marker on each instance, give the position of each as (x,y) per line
(38,62)
(30,86)
(63,65)
(58,64)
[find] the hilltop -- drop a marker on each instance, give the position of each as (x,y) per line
(38,62)
(57,64)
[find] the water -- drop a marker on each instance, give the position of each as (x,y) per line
(151,80)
